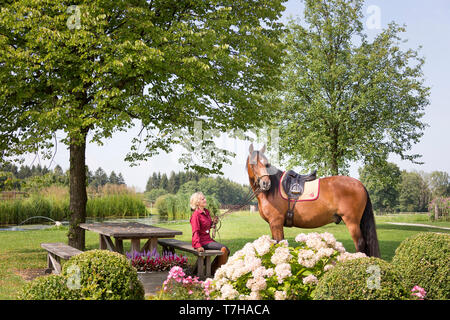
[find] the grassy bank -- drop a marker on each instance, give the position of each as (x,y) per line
(21,254)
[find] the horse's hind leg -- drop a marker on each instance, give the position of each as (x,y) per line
(356,234)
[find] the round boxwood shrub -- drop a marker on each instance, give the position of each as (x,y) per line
(103,275)
(52,287)
(424,260)
(361,279)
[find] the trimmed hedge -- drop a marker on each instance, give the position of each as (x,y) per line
(358,280)
(52,287)
(91,275)
(104,275)
(424,260)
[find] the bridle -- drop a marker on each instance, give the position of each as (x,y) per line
(254,191)
(256,184)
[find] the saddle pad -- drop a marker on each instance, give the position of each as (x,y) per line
(310,193)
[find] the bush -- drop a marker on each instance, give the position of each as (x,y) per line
(423,260)
(268,270)
(52,287)
(359,279)
(104,275)
(165,205)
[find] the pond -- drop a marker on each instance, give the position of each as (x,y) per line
(48,223)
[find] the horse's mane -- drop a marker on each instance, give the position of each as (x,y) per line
(274,180)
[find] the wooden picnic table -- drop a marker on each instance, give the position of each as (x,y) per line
(133,231)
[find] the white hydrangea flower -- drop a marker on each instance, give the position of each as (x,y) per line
(329,239)
(280,295)
(282,271)
(311,279)
(328,267)
(324,252)
(228,292)
(301,237)
(345,256)
(281,255)
(256,284)
(262,244)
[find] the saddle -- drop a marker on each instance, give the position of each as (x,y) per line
(294,185)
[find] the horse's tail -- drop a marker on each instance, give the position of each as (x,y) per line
(369,231)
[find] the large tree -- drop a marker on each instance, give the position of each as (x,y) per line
(93,67)
(346,98)
(383,183)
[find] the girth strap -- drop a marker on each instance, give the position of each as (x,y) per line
(289,219)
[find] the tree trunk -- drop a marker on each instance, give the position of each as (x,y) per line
(78,194)
(436,212)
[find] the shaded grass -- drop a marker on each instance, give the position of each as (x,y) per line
(21,250)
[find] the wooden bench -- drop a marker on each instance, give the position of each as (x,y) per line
(203,260)
(57,251)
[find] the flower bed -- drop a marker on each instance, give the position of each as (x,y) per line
(178,286)
(265,269)
(152,261)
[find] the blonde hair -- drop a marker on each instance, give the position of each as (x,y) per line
(195,199)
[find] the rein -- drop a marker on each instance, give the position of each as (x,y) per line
(248,198)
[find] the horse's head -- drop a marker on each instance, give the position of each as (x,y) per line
(257,167)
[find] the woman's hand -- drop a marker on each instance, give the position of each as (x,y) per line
(200,249)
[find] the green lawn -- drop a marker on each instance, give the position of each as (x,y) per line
(20,250)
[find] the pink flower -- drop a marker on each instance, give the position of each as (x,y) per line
(176,273)
(419,292)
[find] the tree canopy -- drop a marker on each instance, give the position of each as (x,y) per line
(347,98)
(91,68)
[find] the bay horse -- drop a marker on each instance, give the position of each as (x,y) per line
(340,198)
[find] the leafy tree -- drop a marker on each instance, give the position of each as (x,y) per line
(153,194)
(171,184)
(113,178)
(440,184)
(414,193)
(91,68)
(189,188)
(100,178)
(346,98)
(383,184)
(164,182)
(120,179)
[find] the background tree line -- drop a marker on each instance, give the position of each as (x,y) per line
(395,190)
(34,177)
(222,189)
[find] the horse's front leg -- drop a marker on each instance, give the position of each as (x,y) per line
(276,227)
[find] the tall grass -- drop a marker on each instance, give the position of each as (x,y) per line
(53,202)
(177,207)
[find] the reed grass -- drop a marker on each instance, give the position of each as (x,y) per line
(53,202)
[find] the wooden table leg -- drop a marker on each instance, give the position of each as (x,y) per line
(153,244)
(208,266)
(135,245)
(200,267)
(102,242)
(119,245)
(106,243)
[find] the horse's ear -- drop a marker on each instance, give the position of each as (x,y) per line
(263,148)
(251,148)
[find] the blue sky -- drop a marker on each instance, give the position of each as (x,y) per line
(427,25)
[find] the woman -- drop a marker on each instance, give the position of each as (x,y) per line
(201,224)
